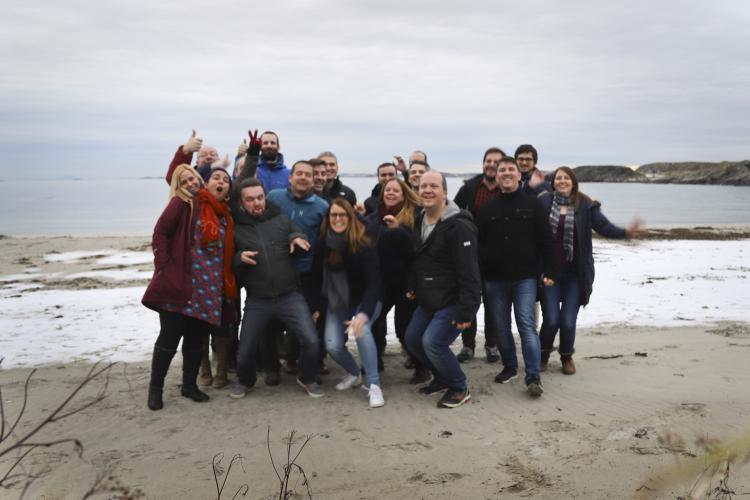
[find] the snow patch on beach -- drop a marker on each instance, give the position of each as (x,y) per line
(127,258)
(654,283)
(78,255)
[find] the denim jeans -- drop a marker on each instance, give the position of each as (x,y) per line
(429,338)
(560,305)
(291,309)
(335,335)
(521,294)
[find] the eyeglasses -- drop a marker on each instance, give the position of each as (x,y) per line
(338,216)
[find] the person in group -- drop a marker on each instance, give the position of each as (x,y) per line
(514,239)
(415,172)
(391,225)
(193,246)
(472,196)
(385,171)
(248,155)
(307,211)
(572,215)
(532,179)
(271,170)
(267,242)
(444,281)
(416,156)
(334,188)
(347,271)
(319,176)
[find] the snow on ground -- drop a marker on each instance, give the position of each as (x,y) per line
(77,255)
(653,283)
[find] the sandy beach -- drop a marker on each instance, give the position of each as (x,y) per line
(645,399)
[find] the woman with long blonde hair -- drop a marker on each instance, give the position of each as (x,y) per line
(346,267)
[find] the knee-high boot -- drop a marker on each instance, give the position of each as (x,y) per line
(160,362)
(191,362)
(220,354)
(205,379)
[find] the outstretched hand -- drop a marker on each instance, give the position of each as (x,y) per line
(242,148)
(193,144)
(400,163)
(635,229)
(255,143)
(300,243)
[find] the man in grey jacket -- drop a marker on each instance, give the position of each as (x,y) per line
(266,242)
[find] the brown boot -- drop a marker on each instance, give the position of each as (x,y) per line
(220,355)
(568,367)
(205,379)
(545,361)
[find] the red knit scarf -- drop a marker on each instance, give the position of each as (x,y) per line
(394,210)
(211,210)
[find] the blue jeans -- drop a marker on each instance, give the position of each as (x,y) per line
(335,335)
(428,338)
(560,305)
(292,310)
(521,294)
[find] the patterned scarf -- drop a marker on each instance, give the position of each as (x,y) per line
(211,210)
(554,221)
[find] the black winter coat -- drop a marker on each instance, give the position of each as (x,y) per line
(588,216)
(395,251)
(270,235)
(444,270)
(337,189)
(466,193)
(515,238)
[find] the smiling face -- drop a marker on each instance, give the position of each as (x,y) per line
(332,167)
(338,219)
(189,181)
(207,156)
(489,167)
(269,145)
(525,162)
(386,173)
(415,174)
(392,193)
(218,185)
(563,184)
(431,190)
(319,178)
(254,200)
(301,180)
(508,176)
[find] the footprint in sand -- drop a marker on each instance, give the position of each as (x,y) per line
(555,425)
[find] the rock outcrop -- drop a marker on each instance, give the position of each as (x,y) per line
(608,173)
(733,173)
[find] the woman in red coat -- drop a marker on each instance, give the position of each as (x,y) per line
(193,246)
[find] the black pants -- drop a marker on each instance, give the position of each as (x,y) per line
(176,326)
(469,335)
(404,309)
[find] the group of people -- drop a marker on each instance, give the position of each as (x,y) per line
(318,268)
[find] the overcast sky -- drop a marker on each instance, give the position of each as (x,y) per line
(94,89)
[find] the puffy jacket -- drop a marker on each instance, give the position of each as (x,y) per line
(444,271)
(274,176)
(515,238)
(588,216)
(275,272)
(306,213)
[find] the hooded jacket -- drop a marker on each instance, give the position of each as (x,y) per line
(444,271)
(588,216)
(273,176)
(275,272)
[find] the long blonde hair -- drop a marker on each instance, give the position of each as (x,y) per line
(356,236)
(174,187)
(405,216)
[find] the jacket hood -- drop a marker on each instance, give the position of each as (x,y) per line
(276,166)
(451,210)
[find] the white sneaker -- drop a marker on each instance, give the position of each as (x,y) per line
(376,396)
(348,382)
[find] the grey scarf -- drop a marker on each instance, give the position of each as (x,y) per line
(554,220)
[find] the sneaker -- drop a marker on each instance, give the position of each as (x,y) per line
(466,354)
(238,391)
(506,375)
(273,378)
(432,388)
(493,354)
(534,388)
(376,396)
(453,398)
(348,382)
(312,390)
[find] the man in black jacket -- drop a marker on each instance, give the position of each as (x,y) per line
(514,238)
(474,193)
(334,188)
(445,282)
(532,179)
(265,241)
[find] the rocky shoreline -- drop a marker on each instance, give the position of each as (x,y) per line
(726,173)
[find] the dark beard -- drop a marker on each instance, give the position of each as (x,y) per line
(269,157)
(490,179)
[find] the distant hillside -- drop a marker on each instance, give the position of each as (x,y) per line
(729,173)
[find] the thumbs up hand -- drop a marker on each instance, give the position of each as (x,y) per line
(242,148)
(193,144)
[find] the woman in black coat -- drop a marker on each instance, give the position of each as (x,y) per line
(572,216)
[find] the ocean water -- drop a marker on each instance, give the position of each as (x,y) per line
(132,206)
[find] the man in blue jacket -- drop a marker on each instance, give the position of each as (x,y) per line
(271,171)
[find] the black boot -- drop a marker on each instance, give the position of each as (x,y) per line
(191,363)
(159,366)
